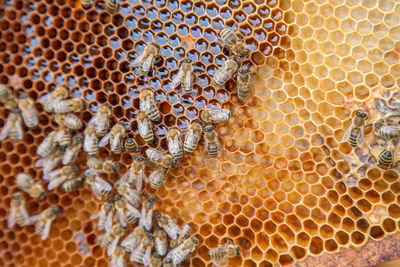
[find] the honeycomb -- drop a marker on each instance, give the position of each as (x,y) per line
(281,188)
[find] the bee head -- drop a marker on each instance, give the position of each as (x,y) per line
(151,199)
(209,128)
(243,70)
(238,250)
(362,114)
(56,210)
(187,60)
(17,196)
(244,54)
(139,158)
(22,94)
(194,240)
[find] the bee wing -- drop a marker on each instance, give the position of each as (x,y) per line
(137,61)
(96,215)
(105,140)
(125,176)
(92,121)
(120,261)
(347,133)
(121,218)
(135,252)
(102,184)
(58,135)
(145,104)
(54,183)
(43,99)
(133,210)
(111,248)
(220,114)
(361,137)
(11,218)
(177,79)
(5,130)
(40,162)
(46,230)
(108,223)
(139,180)
(147,256)
(148,62)
(34,219)
(51,175)
(115,141)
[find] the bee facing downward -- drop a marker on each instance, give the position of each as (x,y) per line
(18,213)
(44,221)
(243,87)
(185,76)
(355,133)
(146,59)
(235,43)
(148,105)
(224,73)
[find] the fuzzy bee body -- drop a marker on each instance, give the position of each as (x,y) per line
(131,145)
(192,138)
(49,100)
(211,140)
(26,183)
(224,73)
(101,120)
(235,43)
(161,242)
(355,133)
(385,159)
(169,225)
(146,59)
(112,6)
(185,76)
(110,240)
(148,105)
(73,184)
(225,251)
(135,175)
(146,216)
(44,221)
(90,142)
(63,138)
(117,257)
(157,177)
(18,213)
(69,105)
(102,166)
(243,87)
(183,251)
(114,137)
(105,215)
(389,132)
(13,127)
(28,111)
(125,211)
(86,4)
(69,120)
(133,196)
(142,254)
(216,115)
(72,151)
(133,240)
(99,186)
(47,145)
(145,128)
(174,141)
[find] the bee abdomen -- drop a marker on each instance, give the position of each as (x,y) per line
(188,149)
(15,135)
(39,226)
(243,92)
(353,137)
(64,141)
(385,159)
(131,219)
(212,150)
(86,3)
(178,156)
(148,138)
(153,113)
(111,6)
(71,185)
(216,253)
(20,219)
(131,146)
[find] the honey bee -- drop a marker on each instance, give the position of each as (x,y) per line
(132,195)
(70,105)
(18,213)
(159,157)
(49,100)
(100,187)
(389,132)
(90,142)
(25,183)
(229,250)
(86,4)
(58,177)
(131,145)
(63,138)
(135,175)
(112,6)
(385,159)
(7,97)
(145,128)
(114,137)
(102,166)
(47,145)
(82,247)
(133,240)
(50,162)
(211,140)
(185,76)
(146,59)
(157,177)
(167,262)
(160,242)
(192,137)
(155,261)
(44,221)
(69,120)
(174,141)
(126,213)
(243,87)
(355,133)
(28,111)
(110,240)
(72,151)
(73,184)
(148,105)
(101,121)
(215,115)
(146,216)
(224,73)
(105,215)
(169,225)
(235,43)
(142,254)
(13,127)
(182,252)
(117,258)
(185,232)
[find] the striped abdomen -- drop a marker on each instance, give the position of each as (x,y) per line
(131,218)
(107,240)
(86,3)
(131,146)
(111,6)
(64,140)
(217,253)
(153,113)
(20,218)
(243,91)
(385,159)
(39,226)
(212,149)
(72,185)
(354,136)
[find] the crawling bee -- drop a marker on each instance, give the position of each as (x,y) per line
(101,121)
(145,128)
(185,232)
(110,240)
(47,145)
(389,132)
(155,261)
(126,213)
(69,120)
(59,176)
(44,221)
(215,115)
(50,162)
(90,142)
(112,6)
(161,241)
(28,111)
(146,216)
(148,105)
(7,97)
(73,184)
(49,100)
(117,258)
(25,183)
(185,76)
(174,141)
(192,137)
(224,73)
(157,177)
(159,157)
(183,251)
(102,166)
(72,151)
(146,59)
(133,240)
(355,133)
(211,140)
(229,250)
(235,43)
(131,145)
(70,105)
(114,137)
(385,159)
(143,253)
(169,225)
(63,138)
(132,195)
(86,4)
(135,175)
(13,127)
(18,213)
(100,187)
(243,87)
(105,215)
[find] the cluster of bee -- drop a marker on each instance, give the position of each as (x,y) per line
(21,110)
